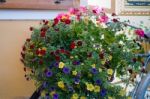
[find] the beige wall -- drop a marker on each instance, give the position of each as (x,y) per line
(12,82)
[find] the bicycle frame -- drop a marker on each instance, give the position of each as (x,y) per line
(140,88)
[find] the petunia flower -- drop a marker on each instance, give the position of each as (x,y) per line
(90,87)
(96,88)
(61,64)
(72,45)
(66,70)
(61,84)
(76,80)
(109,71)
(94,70)
(103,92)
(139,32)
(103,19)
(49,74)
(98,82)
(55,96)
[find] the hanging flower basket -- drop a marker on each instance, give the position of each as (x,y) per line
(76,55)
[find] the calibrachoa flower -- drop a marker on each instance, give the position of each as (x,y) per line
(139,32)
(103,92)
(55,96)
(96,88)
(109,71)
(61,84)
(94,70)
(90,87)
(49,73)
(72,45)
(76,80)
(61,65)
(66,70)
(75,96)
(74,73)
(98,82)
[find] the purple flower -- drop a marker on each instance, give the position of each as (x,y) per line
(47,96)
(45,84)
(103,92)
(55,96)
(98,82)
(66,70)
(94,70)
(76,63)
(51,88)
(56,64)
(70,88)
(49,74)
(76,80)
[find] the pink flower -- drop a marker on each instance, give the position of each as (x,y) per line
(103,19)
(74,11)
(139,32)
(83,9)
(97,10)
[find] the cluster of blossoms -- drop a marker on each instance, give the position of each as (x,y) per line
(76,55)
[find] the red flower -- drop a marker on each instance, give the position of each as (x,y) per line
(52,53)
(43,29)
(57,58)
(115,20)
(139,32)
(57,52)
(101,55)
(46,22)
(24,69)
(72,45)
(24,48)
(41,62)
(28,39)
(37,52)
(43,34)
(56,20)
(67,21)
(79,43)
(43,52)
(23,55)
(32,46)
(31,28)
(62,51)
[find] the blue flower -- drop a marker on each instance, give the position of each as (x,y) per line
(56,64)
(103,92)
(52,88)
(94,70)
(98,82)
(76,63)
(49,74)
(66,70)
(55,96)
(76,80)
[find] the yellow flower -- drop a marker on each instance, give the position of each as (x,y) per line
(93,65)
(100,70)
(74,73)
(97,88)
(110,71)
(82,97)
(90,87)
(71,57)
(43,93)
(103,62)
(75,96)
(122,92)
(110,98)
(52,93)
(61,84)
(110,57)
(61,65)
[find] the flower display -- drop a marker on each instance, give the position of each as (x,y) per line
(75,56)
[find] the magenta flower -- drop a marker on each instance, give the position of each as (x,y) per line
(103,19)
(139,32)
